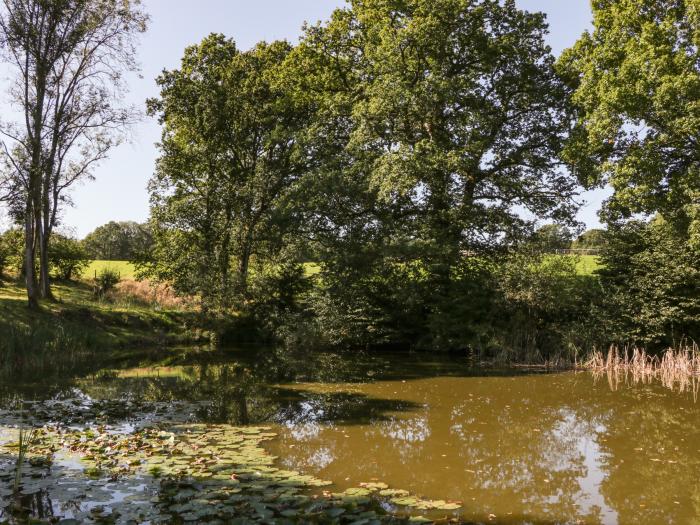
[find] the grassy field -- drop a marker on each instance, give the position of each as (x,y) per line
(124,268)
(587,264)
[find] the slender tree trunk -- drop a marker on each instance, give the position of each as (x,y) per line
(47,219)
(44,278)
(243,269)
(29,272)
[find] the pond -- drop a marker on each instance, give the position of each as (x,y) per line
(428,436)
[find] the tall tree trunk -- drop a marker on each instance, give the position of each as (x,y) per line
(29,272)
(243,269)
(44,278)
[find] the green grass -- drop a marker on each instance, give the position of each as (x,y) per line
(587,264)
(125,269)
(311,269)
(79,329)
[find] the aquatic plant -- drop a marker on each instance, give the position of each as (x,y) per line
(175,472)
(675,368)
(25,440)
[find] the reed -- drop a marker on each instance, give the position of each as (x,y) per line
(44,349)
(676,368)
(146,293)
(26,438)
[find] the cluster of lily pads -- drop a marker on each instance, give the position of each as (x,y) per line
(182,473)
(82,411)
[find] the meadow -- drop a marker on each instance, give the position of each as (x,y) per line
(587,264)
(125,269)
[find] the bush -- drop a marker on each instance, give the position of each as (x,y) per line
(652,281)
(12,248)
(106,280)
(546,310)
(67,257)
(4,256)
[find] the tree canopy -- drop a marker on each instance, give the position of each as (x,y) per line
(229,154)
(119,241)
(635,84)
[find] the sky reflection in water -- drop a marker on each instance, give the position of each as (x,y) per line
(525,447)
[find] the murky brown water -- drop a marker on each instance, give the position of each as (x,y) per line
(514,447)
(556,448)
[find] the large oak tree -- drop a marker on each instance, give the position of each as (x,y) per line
(228,155)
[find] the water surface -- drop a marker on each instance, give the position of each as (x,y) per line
(514,446)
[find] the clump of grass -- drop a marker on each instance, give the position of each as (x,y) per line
(44,349)
(676,368)
(27,437)
(147,293)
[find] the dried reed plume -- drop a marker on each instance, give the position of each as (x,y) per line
(676,368)
(148,293)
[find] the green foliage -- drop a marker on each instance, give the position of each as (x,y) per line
(67,257)
(106,280)
(635,87)
(592,239)
(119,241)
(402,146)
(42,348)
(12,246)
(552,237)
(5,254)
(545,309)
(421,157)
(229,154)
(652,282)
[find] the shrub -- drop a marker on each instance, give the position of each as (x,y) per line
(652,280)
(4,256)
(106,280)
(67,257)
(12,248)
(545,311)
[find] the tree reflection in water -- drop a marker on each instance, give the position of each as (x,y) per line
(526,447)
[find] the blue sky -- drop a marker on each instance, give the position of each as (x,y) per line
(119,189)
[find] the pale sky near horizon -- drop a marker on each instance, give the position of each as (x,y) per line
(119,189)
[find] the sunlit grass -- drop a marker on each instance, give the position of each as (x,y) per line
(125,269)
(78,327)
(587,264)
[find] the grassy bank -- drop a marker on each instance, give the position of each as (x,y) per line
(79,328)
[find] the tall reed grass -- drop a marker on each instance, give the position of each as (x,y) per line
(26,439)
(146,293)
(41,349)
(676,368)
